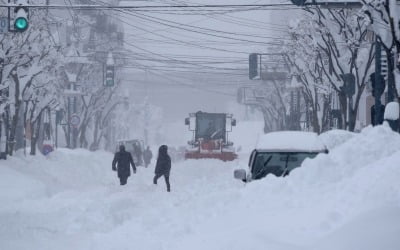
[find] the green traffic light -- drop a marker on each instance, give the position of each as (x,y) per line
(21,24)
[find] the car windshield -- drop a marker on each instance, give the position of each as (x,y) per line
(278,163)
(210,126)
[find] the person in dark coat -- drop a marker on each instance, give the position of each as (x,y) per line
(121,163)
(147,155)
(163,166)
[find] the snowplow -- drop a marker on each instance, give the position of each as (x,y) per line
(210,136)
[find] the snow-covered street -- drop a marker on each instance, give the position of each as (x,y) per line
(348,199)
(213,100)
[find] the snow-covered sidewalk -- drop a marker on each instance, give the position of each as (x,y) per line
(349,199)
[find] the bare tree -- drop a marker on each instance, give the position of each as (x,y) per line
(26,57)
(385,19)
(337,41)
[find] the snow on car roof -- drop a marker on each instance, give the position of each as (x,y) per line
(290,141)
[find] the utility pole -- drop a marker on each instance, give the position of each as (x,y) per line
(378,69)
(57,121)
(74,110)
(390,79)
(146,112)
(68,122)
(3,138)
(378,85)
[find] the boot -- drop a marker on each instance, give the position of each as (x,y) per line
(155,180)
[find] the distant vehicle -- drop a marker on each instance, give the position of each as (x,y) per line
(135,147)
(278,153)
(210,136)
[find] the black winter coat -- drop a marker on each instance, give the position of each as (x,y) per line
(163,165)
(121,161)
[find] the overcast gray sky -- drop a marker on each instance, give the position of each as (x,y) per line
(186,61)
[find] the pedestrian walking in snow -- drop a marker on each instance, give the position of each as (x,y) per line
(147,155)
(163,166)
(121,164)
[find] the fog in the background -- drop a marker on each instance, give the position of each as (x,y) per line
(195,68)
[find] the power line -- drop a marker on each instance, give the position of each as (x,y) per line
(171,60)
(240,20)
(208,34)
(164,22)
(167,57)
(149,7)
(179,83)
(186,64)
(185,42)
(179,41)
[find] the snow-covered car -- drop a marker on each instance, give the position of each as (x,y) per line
(278,153)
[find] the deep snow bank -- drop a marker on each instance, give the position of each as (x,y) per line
(332,191)
(334,138)
(348,199)
(62,170)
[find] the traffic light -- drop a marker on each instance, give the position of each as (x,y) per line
(377,87)
(21,21)
(253,65)
(59,116)
(377,120)
(384,65)
(109,76)
(349,84)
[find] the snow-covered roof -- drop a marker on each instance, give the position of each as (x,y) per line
(290,141)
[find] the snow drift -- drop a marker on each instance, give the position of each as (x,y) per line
(347,199)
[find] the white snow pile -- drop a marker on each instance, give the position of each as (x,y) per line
(391,111)
(33,177)
(348,199)
(335,137)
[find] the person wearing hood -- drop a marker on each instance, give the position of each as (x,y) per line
(121,164)
(163,166)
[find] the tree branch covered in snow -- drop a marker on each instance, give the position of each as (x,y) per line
(325,45)
(384,17)
(84,73)
(30,60)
